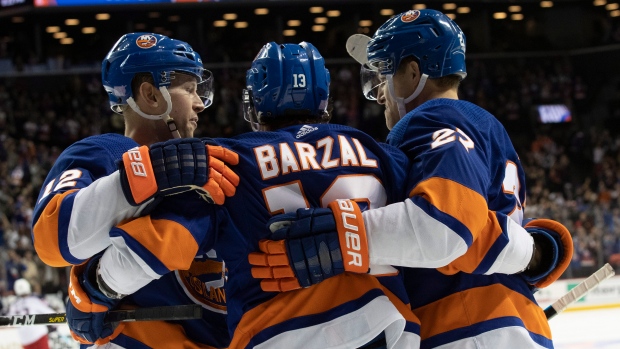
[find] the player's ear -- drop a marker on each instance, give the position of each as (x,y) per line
(413,69)
(149,94)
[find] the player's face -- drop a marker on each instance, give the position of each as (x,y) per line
(186,104)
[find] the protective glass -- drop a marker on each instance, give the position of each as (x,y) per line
(249,114)
(371,82)
(204,87)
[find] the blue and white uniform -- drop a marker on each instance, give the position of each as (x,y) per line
(80,203)
(281,171)
(466,200)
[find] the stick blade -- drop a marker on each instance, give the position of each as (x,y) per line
(356,47)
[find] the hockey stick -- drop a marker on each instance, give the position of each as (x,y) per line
(175,312)
(579,291)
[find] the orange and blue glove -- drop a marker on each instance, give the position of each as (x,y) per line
(176,166)
(88,306)
(312,245)
(552,254)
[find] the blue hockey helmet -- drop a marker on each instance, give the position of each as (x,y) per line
(436,42)
(157,55)
(286,80)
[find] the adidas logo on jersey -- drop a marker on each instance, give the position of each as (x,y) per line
(304,130)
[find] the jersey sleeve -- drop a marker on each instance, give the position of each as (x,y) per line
(446,221)
(145,248)
(81,200)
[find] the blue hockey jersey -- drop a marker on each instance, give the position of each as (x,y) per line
(281,171)
(80,203)
(71,222)
(466,181)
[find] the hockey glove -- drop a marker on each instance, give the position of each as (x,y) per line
(88,306)
(318,243)
(176,166)
(552,253)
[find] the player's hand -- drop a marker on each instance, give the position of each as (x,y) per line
(176,166)
(552,253)
(87,307)
(318,243)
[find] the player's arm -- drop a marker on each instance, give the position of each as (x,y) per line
(80,201)
(315,244)
(168,239)
(443,217)
(142,250)
(445,222)
(77,209)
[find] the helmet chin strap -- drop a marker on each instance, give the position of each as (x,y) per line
(400,101)
(165,116)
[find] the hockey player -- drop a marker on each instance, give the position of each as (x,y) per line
(297,158)
(149,78)
(33,337)
(466,199)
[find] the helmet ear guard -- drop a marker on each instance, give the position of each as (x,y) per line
(286,81)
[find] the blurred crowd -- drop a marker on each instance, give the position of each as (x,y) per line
(573,168)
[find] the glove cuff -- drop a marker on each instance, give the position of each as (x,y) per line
(557,247)
(352,235)
(90,284)
(137,176)
(547,247)
(105,289)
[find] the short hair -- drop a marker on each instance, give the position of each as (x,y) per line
(140,78)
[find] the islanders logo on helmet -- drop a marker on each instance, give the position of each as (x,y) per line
(410,16)
(146,41)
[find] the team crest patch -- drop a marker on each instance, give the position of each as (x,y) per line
(204,283)
(410,16)
(146,41)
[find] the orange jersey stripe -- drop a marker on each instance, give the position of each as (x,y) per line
(478,304)
(159,334)
(170,242)
(448,196)
(329,294)
(45,233)
(478,249)
(457,200)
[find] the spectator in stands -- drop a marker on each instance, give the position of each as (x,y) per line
(14,269)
